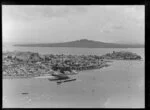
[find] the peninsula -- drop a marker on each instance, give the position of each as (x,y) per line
(122,55)
(29,64)
(83,43)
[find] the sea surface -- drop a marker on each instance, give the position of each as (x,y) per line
(121,85)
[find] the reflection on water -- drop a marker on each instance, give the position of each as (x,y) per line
(119,85)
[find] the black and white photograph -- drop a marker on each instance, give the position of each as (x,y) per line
(73,56)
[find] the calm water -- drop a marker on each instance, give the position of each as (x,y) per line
(72,51)
(119,85)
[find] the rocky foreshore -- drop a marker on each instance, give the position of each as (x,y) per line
(29,64)
(122,55)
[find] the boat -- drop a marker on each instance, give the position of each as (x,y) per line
(58,76)
(69,80)
(25,93)
(62,81)
(61,73)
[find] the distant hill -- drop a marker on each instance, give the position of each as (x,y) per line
(84,43)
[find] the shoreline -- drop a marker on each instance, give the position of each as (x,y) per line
(46,75)
(18,65)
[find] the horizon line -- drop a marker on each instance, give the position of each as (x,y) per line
(117,42)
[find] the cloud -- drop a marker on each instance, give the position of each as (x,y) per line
(118,27)
(38,12)
(53,23)
(110,27)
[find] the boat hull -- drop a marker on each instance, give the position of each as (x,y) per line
(68,80)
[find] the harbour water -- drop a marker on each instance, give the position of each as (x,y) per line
(119,85)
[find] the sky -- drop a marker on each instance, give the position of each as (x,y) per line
(61,23)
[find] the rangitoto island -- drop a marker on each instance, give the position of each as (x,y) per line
(83,43)
(29,64)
